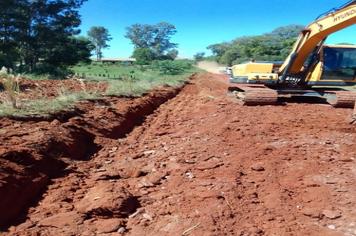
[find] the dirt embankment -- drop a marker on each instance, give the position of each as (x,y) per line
(34,151)
(201,164)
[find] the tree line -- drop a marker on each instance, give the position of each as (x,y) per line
(273,46)
(42,36)
(151,42)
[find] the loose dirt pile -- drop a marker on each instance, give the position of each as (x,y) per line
(201,164)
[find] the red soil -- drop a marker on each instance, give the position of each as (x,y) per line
(201,164)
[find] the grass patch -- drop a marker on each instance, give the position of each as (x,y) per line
(123,80)
(134,80)
(136,87)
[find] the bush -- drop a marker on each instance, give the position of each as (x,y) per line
(143,56)
(199,56)
(171,67)
(53,72)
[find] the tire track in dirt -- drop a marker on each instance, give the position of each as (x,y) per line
(204,165)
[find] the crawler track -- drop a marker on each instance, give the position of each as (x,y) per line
(343,99)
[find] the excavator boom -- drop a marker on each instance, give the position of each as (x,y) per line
(316,33)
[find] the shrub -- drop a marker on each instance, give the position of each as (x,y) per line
(143,56)
(53,72)
(171,67)
(199,56)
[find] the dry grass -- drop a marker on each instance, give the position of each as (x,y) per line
(11,86)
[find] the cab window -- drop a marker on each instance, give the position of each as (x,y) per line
(339,63)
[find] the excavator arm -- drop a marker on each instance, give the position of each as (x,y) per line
(314,35)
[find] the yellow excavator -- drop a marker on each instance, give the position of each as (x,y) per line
(313,69)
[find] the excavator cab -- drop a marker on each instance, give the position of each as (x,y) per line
(339,63)
(335,65)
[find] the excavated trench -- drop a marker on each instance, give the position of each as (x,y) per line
(37,150)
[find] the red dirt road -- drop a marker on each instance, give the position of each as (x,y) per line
(204,165)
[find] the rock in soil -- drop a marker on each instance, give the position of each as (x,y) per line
(107,199)
(332,214)
(108,225)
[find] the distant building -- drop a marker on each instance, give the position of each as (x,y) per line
(125,61)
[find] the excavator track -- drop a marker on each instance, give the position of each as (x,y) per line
(342,99)
(255,95)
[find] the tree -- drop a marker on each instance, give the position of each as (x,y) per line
(172,54)
(99,36)
(60,19)
(154,37)
(286,32)
(199,56)
(11,20)
(143,56)
(218,49)
(77,49)
(273,46)
(35,33)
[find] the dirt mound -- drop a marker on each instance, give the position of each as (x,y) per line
(201,164)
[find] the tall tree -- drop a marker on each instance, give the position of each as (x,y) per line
(172,54)
(99,36)
(199,56)
(12,19)
(156,37)
(36,32)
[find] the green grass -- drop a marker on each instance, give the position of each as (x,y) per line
(130,80)
(122,80)
(106,71)
(137,87)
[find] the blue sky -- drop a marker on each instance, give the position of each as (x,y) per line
(203,22)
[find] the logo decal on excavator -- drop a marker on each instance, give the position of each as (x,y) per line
(345,15)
